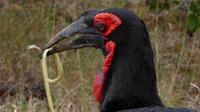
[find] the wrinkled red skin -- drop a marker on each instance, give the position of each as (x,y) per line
(112,22)
(100,78)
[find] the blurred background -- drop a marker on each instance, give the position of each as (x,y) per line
(173,25)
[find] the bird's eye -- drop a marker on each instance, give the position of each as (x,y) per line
(100,27)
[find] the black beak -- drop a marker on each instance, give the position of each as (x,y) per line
(88,38)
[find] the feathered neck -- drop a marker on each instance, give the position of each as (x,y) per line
(131,79)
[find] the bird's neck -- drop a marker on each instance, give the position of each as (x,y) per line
(131,80)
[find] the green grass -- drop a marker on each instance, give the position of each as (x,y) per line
(34,22)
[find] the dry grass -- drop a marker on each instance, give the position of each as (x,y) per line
(28,22)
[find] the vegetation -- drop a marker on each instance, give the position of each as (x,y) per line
(174,27)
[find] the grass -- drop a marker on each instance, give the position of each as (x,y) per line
(34,22)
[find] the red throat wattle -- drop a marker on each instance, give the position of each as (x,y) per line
(112,22)
(100,78)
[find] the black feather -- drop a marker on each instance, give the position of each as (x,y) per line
(131,79)
(159,109)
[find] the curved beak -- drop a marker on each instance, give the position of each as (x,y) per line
(77,43)
(89,37)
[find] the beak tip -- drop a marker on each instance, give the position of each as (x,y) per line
(50,52)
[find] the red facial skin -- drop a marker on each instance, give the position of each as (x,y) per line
(111,22)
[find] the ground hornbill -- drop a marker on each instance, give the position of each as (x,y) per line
(128,80)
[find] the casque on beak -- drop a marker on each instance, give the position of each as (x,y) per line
(88,37)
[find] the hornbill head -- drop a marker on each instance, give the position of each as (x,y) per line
(129,57)
(95,28)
